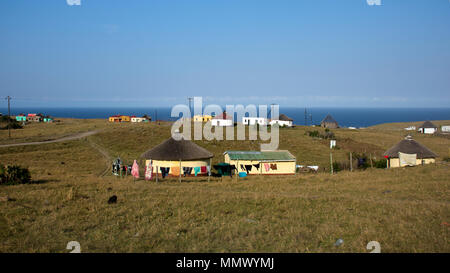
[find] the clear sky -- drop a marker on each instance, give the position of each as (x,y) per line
(341,53)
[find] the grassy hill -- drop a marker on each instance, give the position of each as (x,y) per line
(406,210)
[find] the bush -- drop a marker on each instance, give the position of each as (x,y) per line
(13,175)
(380,163)
(7,122)
(313,133)
(327,135)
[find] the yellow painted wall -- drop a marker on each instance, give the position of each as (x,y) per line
(125,118)
(170,164)
(283,167)
(395,162)
(113,119)
(199,118)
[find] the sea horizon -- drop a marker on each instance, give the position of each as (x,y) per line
(345,116)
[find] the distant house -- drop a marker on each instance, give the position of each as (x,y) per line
(136,119)
(21,118)
(264,162)
(282,120)
(125,118)
(48,119)
(329,122)
(254,121)
(139,119)
(202,118)
(34,118)
(409,152)
(222,120)
(428,128)
(445,128)
(410,128)
(115,118)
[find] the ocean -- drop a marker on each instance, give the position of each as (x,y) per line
(346,117)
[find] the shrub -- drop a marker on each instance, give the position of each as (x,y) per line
(7,122)
(13,175)
(380,163)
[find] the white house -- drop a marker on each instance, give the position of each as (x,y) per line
(445,128)
(138,119)
(222,120)
(428,128)
(254,121)
(282,120)
(410,128)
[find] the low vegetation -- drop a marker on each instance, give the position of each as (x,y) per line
(406,210)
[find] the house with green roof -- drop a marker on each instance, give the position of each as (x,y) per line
(280,162)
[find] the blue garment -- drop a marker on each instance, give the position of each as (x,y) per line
(196,170)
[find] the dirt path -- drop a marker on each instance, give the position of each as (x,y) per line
(105,154)
(66,138)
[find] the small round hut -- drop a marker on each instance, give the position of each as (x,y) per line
(178,157)
(409,152)
(329,122)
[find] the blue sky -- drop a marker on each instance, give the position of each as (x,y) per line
(319,53)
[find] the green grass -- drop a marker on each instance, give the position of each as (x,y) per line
(403,209)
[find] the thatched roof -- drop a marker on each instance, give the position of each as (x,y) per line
(284,117)
(172,149)
(410,146)
(428,124)
(329,119)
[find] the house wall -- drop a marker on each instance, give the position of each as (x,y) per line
(445,128)
(329,125)
(281,122)
(254,121)
(125,118)
(395,162)
(221,122)
(283,167)
(170,164)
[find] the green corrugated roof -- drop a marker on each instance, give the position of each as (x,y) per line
(264,155)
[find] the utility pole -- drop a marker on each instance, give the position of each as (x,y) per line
(310,119)
(9,116)
(190,110)
(306,118)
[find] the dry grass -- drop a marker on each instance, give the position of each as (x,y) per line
(404,209)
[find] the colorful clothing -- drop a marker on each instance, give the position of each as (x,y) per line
(148,170)
(135,169)
(196,170)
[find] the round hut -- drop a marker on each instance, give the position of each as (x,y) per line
(329,122)
(178,157)
(409,152)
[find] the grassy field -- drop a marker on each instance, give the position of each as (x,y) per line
(406,210)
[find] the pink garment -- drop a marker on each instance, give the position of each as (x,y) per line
(135,169)
(267,167)
(148,171)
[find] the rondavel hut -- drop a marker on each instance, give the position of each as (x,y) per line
(409,152)
(176,158)
(329,122)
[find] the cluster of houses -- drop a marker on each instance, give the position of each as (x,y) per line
(225,119)
(429,128)
(33,118)
(125,118)
(181,158)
